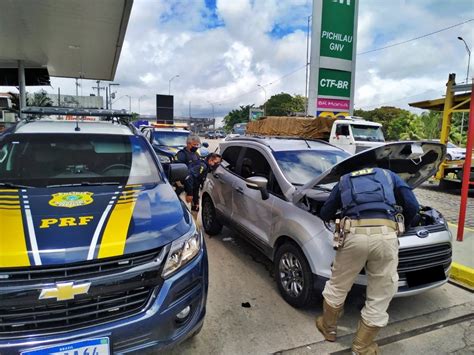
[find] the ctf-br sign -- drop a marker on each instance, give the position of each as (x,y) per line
(333,53)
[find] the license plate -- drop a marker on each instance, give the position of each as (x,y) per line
(98,346)
(426,276)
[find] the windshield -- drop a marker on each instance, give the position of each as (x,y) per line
(451,145)
(42,160)
(367,133)
(301,166)
(239,128)
(170,138)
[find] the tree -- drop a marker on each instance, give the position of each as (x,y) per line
(284,104)
(40,99)
(237,116)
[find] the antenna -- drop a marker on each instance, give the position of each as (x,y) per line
(77,129)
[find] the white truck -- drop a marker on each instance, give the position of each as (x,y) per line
(6,115)
(353,134)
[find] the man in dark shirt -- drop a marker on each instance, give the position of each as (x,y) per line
(189,156)
(369,201)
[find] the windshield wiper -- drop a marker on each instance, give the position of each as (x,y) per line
(86,183)
(15,186)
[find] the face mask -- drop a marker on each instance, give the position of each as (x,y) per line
(193,149)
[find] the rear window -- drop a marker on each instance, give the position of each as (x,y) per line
(170,138)
(301,166)
(42,160)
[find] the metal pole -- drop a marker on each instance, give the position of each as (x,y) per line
(466,177)
(106,97)
(467,78)
(307,69)
(59,97)
(22,86)
(265,103)
(169,83)
(77,87)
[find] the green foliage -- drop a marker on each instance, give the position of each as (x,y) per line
(39,99)
(284,104)
(237,116)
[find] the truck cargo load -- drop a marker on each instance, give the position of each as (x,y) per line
(304,127)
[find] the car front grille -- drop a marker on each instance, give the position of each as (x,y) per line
(118,289)
(75,271)
(66,315)
(424,257)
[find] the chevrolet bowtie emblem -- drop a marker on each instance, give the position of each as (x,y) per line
(65,291)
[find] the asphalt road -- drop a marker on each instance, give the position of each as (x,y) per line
(440,321)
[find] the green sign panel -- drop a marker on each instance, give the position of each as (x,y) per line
(337,29)
(334,83)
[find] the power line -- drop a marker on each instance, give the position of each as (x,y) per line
(414,39)
(399,99)
(369,51)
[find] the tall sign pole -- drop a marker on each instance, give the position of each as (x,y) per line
(333,53)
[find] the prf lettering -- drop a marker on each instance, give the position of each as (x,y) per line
(362,172)
(66,221)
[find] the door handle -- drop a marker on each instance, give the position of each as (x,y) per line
(217,176)
(239,190)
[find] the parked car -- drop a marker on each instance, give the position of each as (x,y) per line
(102,256)
(166,140)
(271,191)
(220,134)
(453,152)
(210,135)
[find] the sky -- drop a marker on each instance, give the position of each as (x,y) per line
(223,49)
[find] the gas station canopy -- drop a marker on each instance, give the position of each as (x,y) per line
(69,38)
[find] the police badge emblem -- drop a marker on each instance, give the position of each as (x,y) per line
(71,199)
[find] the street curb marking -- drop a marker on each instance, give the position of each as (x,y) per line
(456,225)
(462,274)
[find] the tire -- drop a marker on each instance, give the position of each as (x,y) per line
(209,217)
(290,263)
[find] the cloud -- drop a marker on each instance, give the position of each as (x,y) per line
(223,49)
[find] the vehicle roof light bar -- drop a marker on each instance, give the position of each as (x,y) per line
(33,110)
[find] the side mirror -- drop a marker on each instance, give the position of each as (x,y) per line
(258,183)
(177,172)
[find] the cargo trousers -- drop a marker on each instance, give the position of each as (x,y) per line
(376,249)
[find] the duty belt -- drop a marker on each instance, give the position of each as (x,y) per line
(373,222)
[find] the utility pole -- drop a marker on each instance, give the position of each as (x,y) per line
(111,94)
(77,87)
(265,103)
(307,68)
(98,87)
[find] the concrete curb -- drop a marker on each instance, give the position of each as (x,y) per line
(462,274)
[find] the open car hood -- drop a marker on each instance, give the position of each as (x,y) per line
(414,162)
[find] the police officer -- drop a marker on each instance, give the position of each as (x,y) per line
(368,200)
(189,156)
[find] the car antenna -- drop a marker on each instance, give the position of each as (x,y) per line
(307,143)
(77,129)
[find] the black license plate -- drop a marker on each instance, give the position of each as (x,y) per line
(425,276)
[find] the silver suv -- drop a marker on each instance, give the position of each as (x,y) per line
(271,191)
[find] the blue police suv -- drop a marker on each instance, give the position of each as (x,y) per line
(97,253)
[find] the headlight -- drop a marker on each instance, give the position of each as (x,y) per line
(182,251)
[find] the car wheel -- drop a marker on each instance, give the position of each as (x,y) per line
(209,217)
(293,275)
(449,157)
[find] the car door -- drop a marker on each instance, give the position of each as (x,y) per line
(222,180)
(249,210)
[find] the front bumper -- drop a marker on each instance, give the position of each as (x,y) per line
(153,328)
